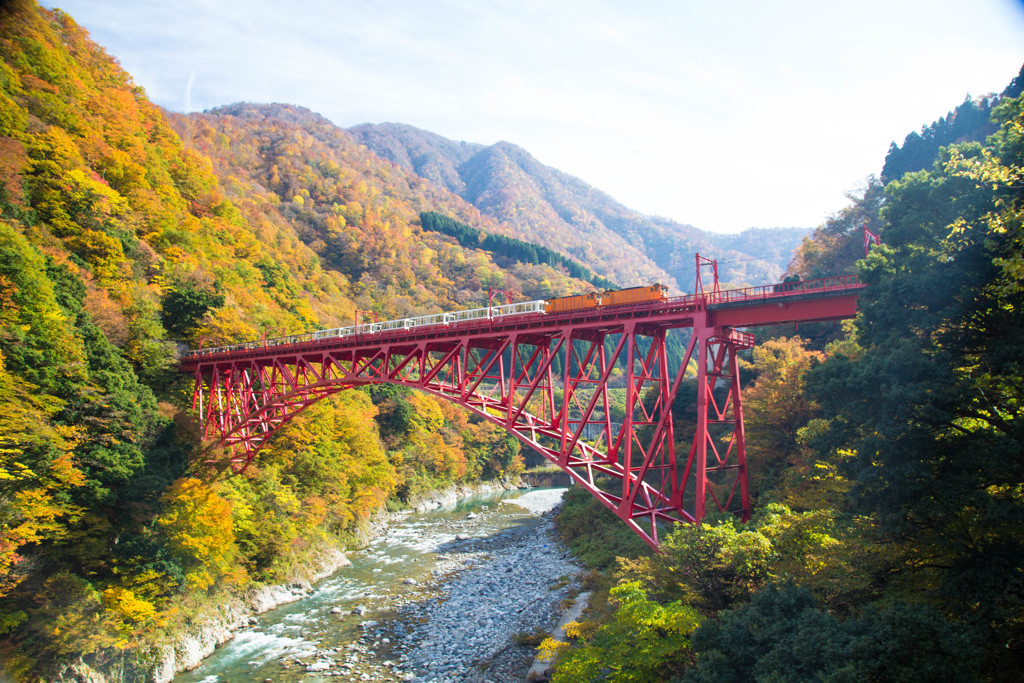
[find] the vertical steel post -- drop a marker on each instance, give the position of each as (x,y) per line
(627,419)
(700,438)
(740,434)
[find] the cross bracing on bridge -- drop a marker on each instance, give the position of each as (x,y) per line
(545,378)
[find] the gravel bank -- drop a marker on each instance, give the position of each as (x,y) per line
(488,592)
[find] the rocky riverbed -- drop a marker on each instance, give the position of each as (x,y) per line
(498,591)
(449,595)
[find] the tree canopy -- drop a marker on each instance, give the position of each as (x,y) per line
(884,456)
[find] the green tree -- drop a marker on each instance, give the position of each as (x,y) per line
(932,409)
(645,641)
(184,307)
(36,334)
(118,412)
(780,635)
(594,533)
(775,409)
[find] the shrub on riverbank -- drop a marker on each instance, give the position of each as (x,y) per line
(594,534)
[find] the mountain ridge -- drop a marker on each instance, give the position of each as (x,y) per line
(504,190)
(547,206)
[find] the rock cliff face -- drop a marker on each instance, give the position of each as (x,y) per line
(452,494)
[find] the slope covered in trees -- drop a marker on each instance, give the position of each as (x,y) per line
(543,205)
(508,249)
(358,213)
(119,240)
(888,538)
(970,122)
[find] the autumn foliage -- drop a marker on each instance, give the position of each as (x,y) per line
(126,231)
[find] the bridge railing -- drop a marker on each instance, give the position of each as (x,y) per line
(495,312)
(423,321)
(825,284)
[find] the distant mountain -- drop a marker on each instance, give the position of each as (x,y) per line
(357,212)
(427,154)
(541,204)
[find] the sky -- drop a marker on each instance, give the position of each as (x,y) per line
(722,115)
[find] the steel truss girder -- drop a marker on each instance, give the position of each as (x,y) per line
(596,401)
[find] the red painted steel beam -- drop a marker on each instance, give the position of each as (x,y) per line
(808,308)
(678,312)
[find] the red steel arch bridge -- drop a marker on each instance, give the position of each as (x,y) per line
(555,381)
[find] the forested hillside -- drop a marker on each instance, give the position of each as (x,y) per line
(119,241)
(508,249)
(969,122)
(885,465)
(356,212)
(543,205)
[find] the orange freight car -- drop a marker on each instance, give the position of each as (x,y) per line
(634,295)
(573,303)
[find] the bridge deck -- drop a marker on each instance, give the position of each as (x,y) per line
(806,301)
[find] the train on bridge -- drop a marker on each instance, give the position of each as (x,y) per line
(568,304)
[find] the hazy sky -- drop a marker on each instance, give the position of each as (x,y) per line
(724,115)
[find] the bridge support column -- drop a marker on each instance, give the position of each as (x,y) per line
(718,454)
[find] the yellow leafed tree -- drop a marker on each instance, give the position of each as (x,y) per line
(196,524)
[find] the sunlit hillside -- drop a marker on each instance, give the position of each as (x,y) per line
(541,204)
(120,241)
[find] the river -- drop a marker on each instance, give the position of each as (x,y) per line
(446,595)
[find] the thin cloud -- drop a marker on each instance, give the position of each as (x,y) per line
(722,115)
